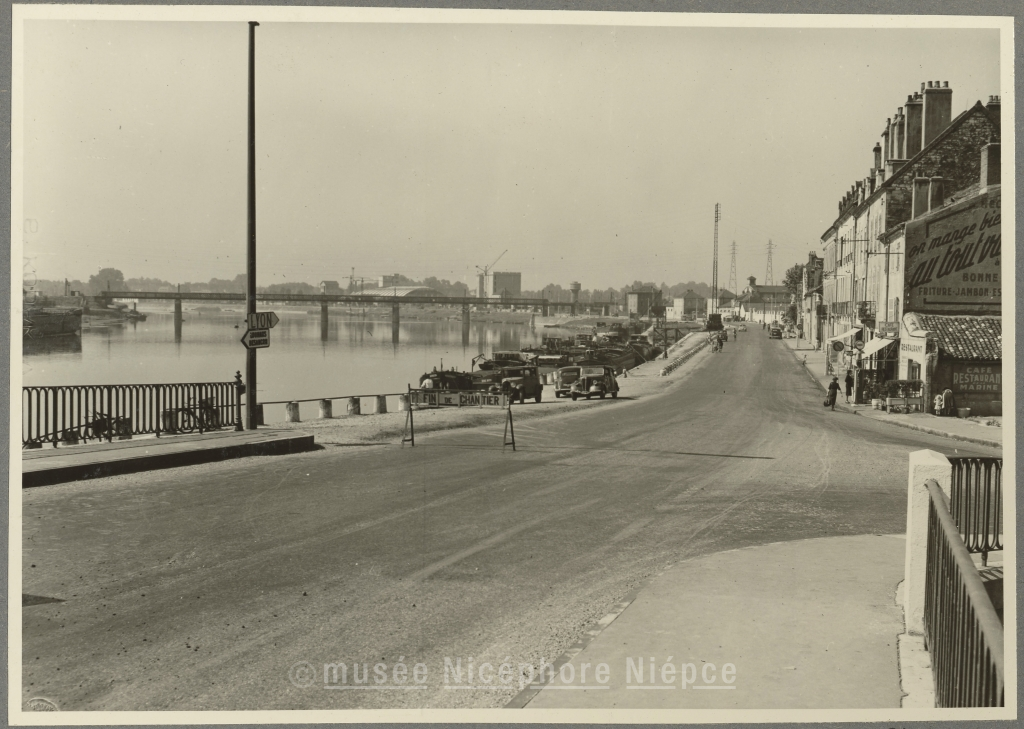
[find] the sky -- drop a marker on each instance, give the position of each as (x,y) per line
(588,153)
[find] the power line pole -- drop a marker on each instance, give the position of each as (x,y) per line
(714,265)
(733,285)
(250,281)
(769,279)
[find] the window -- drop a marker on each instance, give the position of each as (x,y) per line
(913,370)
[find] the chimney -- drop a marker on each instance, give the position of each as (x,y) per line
(935,193)
(914,107)
(919,201)
(938,110)
(751,281)
(885,142)
(993,106)
(899,149)
(869,182)
(990,164)
(878,155)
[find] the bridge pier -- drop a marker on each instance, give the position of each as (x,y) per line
(394,323)
(323,321)
(544,309)
(465,325)
(177,320)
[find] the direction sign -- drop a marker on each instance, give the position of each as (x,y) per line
(262,320)
(256,338)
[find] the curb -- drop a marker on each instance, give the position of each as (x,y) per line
(297,443)
(941,433)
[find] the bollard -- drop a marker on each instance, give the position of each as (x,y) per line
(168,421)
(326,410)
(353,406)
(382,405)
(259,414)
(291,412)
(403,403)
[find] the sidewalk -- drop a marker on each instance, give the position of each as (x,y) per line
(964,430)
(806,624)
(50,465)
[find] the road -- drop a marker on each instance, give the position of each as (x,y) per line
(200,587)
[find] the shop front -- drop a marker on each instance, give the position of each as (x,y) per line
(961,354)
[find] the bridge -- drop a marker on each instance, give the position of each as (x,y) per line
(325,300)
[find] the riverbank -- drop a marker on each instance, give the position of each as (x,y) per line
(644,381)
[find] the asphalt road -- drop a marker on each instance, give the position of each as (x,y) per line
(201,587)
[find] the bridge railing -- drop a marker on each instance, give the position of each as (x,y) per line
(962,630)
(976,503)
(71,414)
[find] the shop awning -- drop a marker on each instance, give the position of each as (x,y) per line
(844,335)
(876,344)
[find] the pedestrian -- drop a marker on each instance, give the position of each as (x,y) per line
(763,325)
(833,391)
(849,385)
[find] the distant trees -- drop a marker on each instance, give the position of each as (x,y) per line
(794,279)
(106,279)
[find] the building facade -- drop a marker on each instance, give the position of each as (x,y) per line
(763,303)
(925,162)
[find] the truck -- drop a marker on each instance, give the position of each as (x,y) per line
(714,323)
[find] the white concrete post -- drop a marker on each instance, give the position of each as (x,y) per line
(382,405)
(326,410)
(291,412)
(403,403)
(924,465)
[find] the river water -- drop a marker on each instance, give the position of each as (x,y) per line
(358,357)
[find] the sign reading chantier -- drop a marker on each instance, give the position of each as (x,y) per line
(457,399)
(953,259)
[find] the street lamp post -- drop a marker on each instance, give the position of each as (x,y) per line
(250,281)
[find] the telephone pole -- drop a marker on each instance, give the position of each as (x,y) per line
(769,280)
(714,265)
(733,285)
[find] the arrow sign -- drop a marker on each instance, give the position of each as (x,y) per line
(262,320)
(256,338)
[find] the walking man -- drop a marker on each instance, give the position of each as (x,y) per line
(849,385)
(833,391)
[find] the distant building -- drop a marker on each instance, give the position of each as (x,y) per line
(388,281)
(330,287)
(500,285)
(810,311)
(640,301)
(763,303)
(688,307)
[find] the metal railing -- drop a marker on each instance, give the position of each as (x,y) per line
(976,503)
(71,414)
(961,628)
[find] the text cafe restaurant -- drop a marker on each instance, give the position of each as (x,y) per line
(951,330)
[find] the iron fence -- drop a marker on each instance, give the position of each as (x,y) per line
(961,628)
(71,414)
(976,503)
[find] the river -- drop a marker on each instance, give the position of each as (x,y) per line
(358,357)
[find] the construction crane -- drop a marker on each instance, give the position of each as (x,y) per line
(352,281)
(486,270)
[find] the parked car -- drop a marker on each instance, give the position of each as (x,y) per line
(595,381)
(521,382)
(564,377)
(741,328)
(775,333)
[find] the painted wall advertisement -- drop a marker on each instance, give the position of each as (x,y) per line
(953,259)
(978,379)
